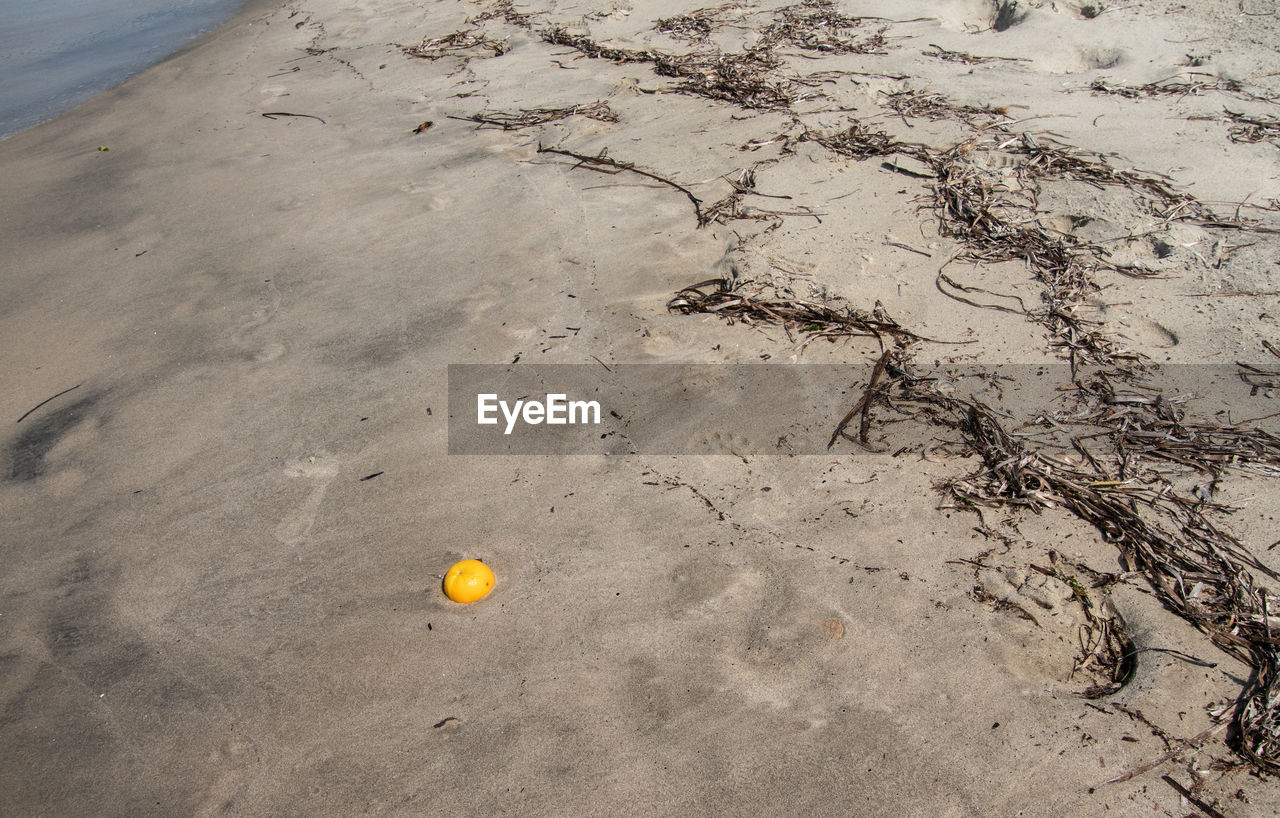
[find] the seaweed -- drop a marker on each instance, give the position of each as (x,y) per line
(530,117)
(800,320)
(1127,448)
(1197,569)
(745,79)
(603,163)
(697,25)
(1174,86)
(940,53)
(859,142)
(458,43)
(819,26)
(1252,128)
(922,104)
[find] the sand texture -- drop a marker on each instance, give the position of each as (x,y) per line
(211,605)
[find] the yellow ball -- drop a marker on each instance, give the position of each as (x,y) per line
(468,581)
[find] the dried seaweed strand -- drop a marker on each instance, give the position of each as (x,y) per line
(747,78)
(530,117)
(504,10)
(461,41)
(1175,87)
(941,53)
(697,25)
(602,161)
(913,103)
(744,78)
(1252,129)
(584,44)
(863,406)
(812,321)
(819,26)
(994,223)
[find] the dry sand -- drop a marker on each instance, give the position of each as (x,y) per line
(206,610)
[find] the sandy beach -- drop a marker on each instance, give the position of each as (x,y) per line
(233,289)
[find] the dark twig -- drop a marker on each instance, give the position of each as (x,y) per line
(1191,797)
(863,406)
(813,321)
(606,162)
(941,53)
(275,114)
(46,400)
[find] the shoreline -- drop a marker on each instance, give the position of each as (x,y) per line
(224,525)
(81,76)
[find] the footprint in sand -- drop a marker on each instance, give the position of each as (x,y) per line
(1145,333)
(52,440)
(721,443)
(231,762)
(1040,624)
(260,316)
(1032,617)
(268,353)
(434,203)
(1093,58)
(320,470)
(198,286)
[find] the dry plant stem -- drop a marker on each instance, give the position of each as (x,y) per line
(455,43)
(941,53)
(1191,797)
(530,117)
(1181,746)
(1175,87)
(943,278)
(1252,129)
(863,406)
(602,161)
(812,321)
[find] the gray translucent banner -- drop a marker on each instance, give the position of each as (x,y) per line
(794,409)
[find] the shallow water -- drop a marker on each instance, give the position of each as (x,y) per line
(55,54)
